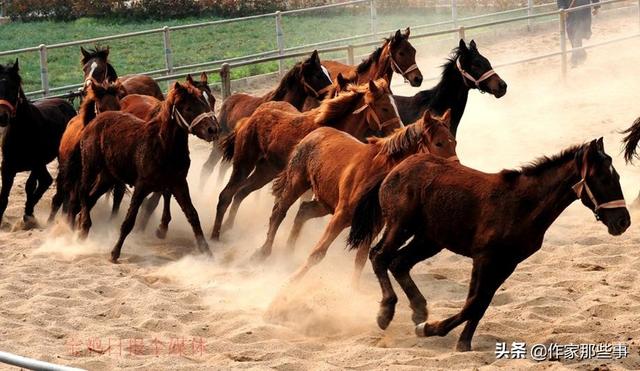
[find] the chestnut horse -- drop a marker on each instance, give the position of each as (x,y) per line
(152,156)
(498,220)
(100,97)
(263,142)
(95,65)
(307,79)
(337,181)
(466,69)
(31,138)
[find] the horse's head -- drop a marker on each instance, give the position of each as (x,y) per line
(203,86)
(436,135)
(95,65)
(403,57)
(599,187)
(192,112)
(381,111)
(106,95)
(10,92)
(477,72)
(315,77)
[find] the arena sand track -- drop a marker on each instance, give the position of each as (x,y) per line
(58,298)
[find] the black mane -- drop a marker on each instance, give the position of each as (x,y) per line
(372,58)
(290,79)
(97,52)
(544,163)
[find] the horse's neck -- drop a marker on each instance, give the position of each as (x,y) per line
(550,193)
(380,68)
(296,96)
(354,124)
(451,92)
(88,111)
(174,138)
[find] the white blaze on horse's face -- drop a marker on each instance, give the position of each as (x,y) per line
(326,73)
(395,108)
(94,65)
(206,98)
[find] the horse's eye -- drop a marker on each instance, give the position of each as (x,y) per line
(439,144)
(401,54)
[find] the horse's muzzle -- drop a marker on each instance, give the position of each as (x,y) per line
(4,119)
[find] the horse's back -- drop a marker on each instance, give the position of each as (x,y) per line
(139,105)
(335,68)
(143,85)
(235,108)
(70,138)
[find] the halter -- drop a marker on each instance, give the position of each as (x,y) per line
(371,113)
(12,109)
(316,93)
(582,185)
(188,127)
(466,76)
(396,68)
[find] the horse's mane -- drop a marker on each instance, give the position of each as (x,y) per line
(164,111)
(290,79)
(372,58)
(333,109)
(544,163)
(401,141)
(97,52)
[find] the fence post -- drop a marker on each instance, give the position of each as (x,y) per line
(529,13)
(461,32)
(2,9)
(374,18)
(225,80)
(454,13)
(639,14)
(168,55)
(280,42)
(44,70)
(563,41)
(350,56)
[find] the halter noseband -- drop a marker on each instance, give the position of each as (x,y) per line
(316,93)
(189,127)
(371,113)
(467,76)
(396,68)
(12,109)
(582,185)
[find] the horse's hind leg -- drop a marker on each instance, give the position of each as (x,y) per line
(238,176)
(181,193)
(148,207)
(118,194)
(57,200)
(207,168)
(487,275)
(88,199)
(307,210)
(42,180)
(161,232)
(262,175)
(7,182)
(139,194)
(414,252)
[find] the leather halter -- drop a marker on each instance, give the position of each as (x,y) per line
(12,109)
(316,93)
(189,127)
(371,113)
(582,185)
(466,76)
(396,68)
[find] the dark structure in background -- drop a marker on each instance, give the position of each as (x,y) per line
(578,26)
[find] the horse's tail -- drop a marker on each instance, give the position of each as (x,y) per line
(70,172)
(296,167)
(631,141)
(367,216)
(227,145)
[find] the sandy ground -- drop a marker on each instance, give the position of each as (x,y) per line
(164,308)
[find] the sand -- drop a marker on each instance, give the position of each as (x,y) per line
(164,307)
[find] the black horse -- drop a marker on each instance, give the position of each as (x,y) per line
(466,69)
(31,140)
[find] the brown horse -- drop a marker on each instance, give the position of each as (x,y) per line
(95,65)
(152,156)
(307,79)
(337,181)
(263,142)
(395,55)
(498,220)
(100,97)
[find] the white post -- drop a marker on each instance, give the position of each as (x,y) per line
(374,18)
(168,56)
(225,80)
(280,42)
(44,70)
(454,13)
(529,13)
(563,41)
(350,56)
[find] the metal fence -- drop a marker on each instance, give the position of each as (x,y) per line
(224,67)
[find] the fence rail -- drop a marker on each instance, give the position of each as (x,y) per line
(224,67)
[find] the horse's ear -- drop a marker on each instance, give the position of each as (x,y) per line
(190,79)
(397,37)
(373,88)
(600,144)
(16,66)
(406,33)
(85,53)
(177,86)
(342,81)
(106,52)
(315,58)
(204,78)
(472,45)
(446,118)
(462,46)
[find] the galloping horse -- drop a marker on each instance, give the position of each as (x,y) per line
(498,220)
(307,79)
(466,69)
(337,180)
(31,139)
(100,97)
(264,141)
(95,65)
(152,156)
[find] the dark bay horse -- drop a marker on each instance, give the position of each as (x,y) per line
(95,65)
(99,97)
(263,142)
(31,139)
(307,79)
(152,156)
(631,146)
(337,180)
(498,220)
(466,69)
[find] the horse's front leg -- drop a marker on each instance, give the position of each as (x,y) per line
(148,207)
(37,184)
(487,275)
(161,232)
(181,192)
(140,192)
(7,182)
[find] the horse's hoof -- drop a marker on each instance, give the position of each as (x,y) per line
(29,222)
(420,330)
(425,329)
(259,256)
(463,346)
(215,235)
(161,233)
(114,258)
(419,316)
(385,315)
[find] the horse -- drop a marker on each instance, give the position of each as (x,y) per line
(151,155)
(31,139)
(337,180)
(95,65)
(466,69)
(264,141)
(498,220)
(100,97)
(630,151)
(395,55)
(307,79)
(144,107)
